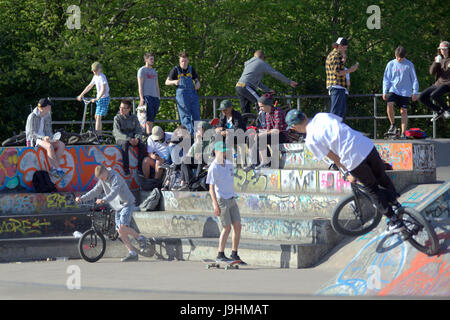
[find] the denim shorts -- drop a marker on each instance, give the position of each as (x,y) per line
(102,106)
(152,107)
(124,216)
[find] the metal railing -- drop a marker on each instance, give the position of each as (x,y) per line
(290,98)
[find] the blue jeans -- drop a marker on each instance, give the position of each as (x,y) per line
(188,108)
(152,107)
(338,102)
(124,216)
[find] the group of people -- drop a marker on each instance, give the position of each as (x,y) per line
(400,84)
(326,134)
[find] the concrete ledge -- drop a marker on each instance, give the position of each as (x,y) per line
(179,224)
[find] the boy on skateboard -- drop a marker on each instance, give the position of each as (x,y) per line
(221,188)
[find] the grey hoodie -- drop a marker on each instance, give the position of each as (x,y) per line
(116,191)
(33,124)
(254,71)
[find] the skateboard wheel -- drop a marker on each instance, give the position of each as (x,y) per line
(207,266)
(237,267)
(226,267)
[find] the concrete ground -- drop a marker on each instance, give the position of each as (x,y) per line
(156,279)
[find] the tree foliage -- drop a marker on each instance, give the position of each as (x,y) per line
(40,56)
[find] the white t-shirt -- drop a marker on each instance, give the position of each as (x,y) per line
(160,148)
(326,132)
(222,177)
(99,81)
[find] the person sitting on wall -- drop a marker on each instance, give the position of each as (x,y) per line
(128,132)
(39,133)
(158,152)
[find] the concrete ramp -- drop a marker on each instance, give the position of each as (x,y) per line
(380,265)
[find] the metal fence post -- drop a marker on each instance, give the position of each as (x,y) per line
(134,106)
(434,128)
(214,108)
(374,116)
(298,103)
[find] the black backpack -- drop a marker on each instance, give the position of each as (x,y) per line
(42,182)
(148,184)
(198,183)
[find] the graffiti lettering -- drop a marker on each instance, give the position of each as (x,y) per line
(23,226)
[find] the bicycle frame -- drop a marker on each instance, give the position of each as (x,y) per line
(107,223)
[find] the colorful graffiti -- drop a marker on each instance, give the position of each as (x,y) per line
(50,225)
(17,166)
(273,180)
(402,156)
(36,203)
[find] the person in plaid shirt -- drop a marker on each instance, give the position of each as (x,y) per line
(275,124)
(336,77)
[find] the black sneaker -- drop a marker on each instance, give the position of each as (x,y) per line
(223,259)
(130,257)
(236,257)
(395,226)
(392,129)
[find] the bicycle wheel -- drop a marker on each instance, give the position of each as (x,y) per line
(348,220)
(92,245)
(17,140)
(420,233)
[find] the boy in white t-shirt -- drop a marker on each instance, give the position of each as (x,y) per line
(158,152)
(221,188)
(328,136)
(102,99)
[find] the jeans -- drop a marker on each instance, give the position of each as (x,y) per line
(372,175)
(188,108)
(435,93)
(338,102)
(141,153)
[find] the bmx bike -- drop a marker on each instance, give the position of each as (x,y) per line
(357,215)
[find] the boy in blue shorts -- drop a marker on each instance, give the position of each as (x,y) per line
(102,99)
(118,195)
(149,90)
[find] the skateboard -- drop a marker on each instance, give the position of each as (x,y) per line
(216,264)
(391,136)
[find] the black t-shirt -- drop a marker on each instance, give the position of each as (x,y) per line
(173,75)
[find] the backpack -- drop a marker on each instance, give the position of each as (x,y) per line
(416,133)
(42,182)
(199,183)
(152,201)
(174,179)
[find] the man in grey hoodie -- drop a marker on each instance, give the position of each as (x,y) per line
(251,77)
(39,133)
(120,198)
(128,132)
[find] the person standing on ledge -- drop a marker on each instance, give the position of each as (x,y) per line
(399,82)
(250,80)
(187,82)
(336,77)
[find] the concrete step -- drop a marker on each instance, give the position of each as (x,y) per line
(289,205)
(178,224)
(276,254)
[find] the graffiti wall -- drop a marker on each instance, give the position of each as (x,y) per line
(43,226)
(387,265)
(401,156)
(37,203)
(273,180)
(18,164)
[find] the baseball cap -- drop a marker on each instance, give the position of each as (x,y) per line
(294,116)
(342,41)
(225,104)
(444,45)
(220,146)
(157,133)
(45,102)
(266,99)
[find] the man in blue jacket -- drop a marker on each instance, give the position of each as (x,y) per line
(399,83)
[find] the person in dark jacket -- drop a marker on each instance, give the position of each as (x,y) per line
(128,132)
(441,70)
